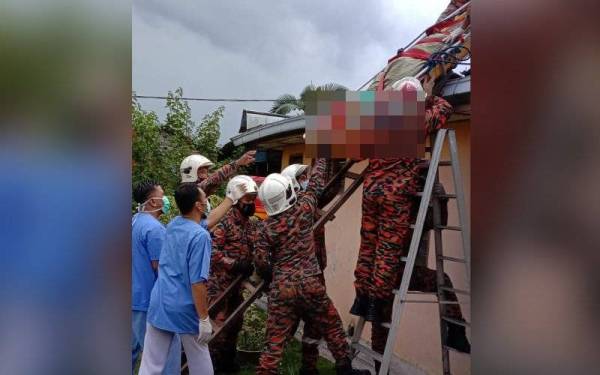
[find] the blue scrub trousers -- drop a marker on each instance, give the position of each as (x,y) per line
(138,322)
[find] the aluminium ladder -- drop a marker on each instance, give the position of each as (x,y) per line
(400,295)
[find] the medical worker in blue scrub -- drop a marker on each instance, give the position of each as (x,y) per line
(178,304)
(147,235)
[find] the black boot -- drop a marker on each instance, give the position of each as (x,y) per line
(227,363)
(456,338)
(304,371)
(376,311)
(373,310)
(345,368)
(360,305)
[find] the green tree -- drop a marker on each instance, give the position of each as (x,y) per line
(208,134)
(288,103)
(158,148)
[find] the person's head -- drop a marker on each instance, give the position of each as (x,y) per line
(277,194)
(246,203)
(194,168)
(298,174)
(190,200)
(151,198)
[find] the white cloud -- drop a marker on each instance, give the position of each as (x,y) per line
(265,49)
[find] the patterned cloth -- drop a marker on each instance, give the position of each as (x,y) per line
(233,240)
(286,242)
(410,62)
(386,211)
(290,302)
(212,182)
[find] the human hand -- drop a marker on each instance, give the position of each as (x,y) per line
(247,158)
(204,330)
(236,193)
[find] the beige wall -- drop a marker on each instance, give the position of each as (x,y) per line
(419,340)
(291,150)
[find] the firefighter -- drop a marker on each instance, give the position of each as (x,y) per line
(284,252)
(232,255)
(388,189)
(298,174)
(194,168)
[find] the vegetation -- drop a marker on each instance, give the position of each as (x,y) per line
(159,147)
(252,338)
(288,103)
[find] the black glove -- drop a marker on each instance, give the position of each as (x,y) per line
(266,274)
(243,267)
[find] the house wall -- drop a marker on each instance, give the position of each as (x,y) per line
(291,150)
(418,342)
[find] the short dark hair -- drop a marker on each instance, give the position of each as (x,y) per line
(142,190)
(186,196)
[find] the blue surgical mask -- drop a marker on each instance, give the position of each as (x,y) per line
(208,208)
(304,184)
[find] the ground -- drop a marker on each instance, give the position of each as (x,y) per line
(252,338)
(292,360)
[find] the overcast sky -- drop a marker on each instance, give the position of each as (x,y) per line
(262,49)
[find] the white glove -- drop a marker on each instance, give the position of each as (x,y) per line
(204,330)
(236,193)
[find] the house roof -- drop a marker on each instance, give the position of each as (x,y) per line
(456,91)
(257,118)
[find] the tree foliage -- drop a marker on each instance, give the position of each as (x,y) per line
(288,103)
(159,147)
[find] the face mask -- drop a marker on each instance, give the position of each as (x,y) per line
(166,205)
(208,208)
(165,208)
(304,184)
(247,209)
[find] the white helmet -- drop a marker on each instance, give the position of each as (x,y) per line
(277,194)
(189,167)
(293,171)
(247,181)
(409,83)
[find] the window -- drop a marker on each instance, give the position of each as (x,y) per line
(295,159)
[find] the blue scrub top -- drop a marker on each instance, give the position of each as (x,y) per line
(147,236)
(184,260)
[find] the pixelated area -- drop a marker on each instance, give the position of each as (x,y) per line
(365,124)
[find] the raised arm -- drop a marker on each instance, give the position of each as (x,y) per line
(225,172)
(316,184)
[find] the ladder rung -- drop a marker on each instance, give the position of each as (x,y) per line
(444,163)
(368,351)
(386,325)
(436,302)
(448,227)
(454,350)
(415,292)
(457,322)
(452,259)
(420,194)
(404,259)
(457,291)
(352,175)
(453,303)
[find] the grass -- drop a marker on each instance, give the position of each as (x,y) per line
(292,359)
(252,337)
